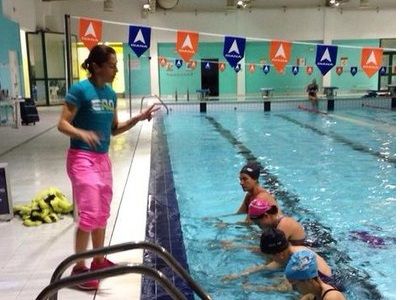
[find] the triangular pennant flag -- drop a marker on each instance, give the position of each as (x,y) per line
(383,70)
(295,70)
(186,44)
(192,64)
(279,54)
(237,68)
(178,63)
(309,70)
(90,32)
(207,65)
(371,60)
(353,70)
(234,49)
(325,58)
(139,39)
(266,69)
(162,61)
(252,68)
(221,66)
(339,70)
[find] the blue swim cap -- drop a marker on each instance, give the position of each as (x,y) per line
(302,265)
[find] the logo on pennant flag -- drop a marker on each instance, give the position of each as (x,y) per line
(237,68)
(279,54)
(309,70)
(339,70)
(90,32)
(252,68)
(186,44)
(178,63)
(207,65)
(266,69)
(234,50)
(139,39)
(221,66)
(382,70)
(353,70)
(325,58)
(371,60)
(295,70)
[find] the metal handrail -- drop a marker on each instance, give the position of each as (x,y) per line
(151,96)
(53,288)
(130,246)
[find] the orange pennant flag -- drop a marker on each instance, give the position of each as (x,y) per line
(252,68)
(90,32)
(279,54)
(186,44)
(371,60)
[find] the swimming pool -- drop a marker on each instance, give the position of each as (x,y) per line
(335,173)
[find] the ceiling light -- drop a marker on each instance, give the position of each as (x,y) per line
(146,7)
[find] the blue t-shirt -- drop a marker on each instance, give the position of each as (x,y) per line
(96,108)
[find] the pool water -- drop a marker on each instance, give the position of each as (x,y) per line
(334,173)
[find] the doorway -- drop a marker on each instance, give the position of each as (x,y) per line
(209,76)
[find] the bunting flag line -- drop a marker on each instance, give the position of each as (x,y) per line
(325,58)
(186,44)
(139,39)
(279,54)
(90,32)
(234,50)
(371,60)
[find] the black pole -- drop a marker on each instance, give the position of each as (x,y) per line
(68,56)
(130,88)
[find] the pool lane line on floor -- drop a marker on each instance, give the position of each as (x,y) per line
(27,141)
(341,139)
(291,203)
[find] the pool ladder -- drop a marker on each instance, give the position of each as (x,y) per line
(57,283)
(153,96)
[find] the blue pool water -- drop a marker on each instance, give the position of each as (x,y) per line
(334,173)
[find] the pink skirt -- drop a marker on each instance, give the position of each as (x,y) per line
(91,177)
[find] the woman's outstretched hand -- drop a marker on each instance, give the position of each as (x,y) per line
(148,113)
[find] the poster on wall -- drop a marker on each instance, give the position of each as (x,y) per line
(6,207)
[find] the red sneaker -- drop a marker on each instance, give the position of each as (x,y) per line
(105,264)
(91,284)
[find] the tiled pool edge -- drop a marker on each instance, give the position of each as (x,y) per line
(163,219)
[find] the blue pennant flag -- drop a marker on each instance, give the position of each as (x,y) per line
(326,57)
(295,70)
(382,70)
(139,39)
(234,49)
(353,70)
(207,65)
(178,63)
(266,69)
(237,68)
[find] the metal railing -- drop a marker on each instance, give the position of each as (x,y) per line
(57,283)
(52,289)
(155,96)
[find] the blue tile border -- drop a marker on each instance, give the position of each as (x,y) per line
(163,219)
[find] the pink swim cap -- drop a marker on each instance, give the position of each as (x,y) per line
(258,207)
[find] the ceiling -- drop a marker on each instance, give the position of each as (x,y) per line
(223,5)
